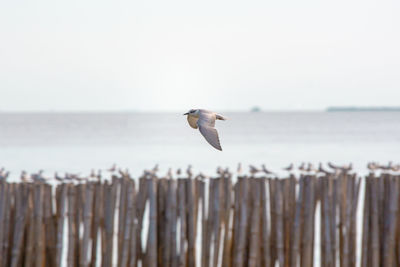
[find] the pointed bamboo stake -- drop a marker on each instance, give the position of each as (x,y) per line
(308,226)
(243,221)
(375,248)
(121,192)
(72,228)
(61,209)
(3,207)
(151,250)
(87,221)
(97,219)
(49,225)
(79,203)
(182,218)
(273,231)
(141,205)
(389,244)
(254,257)
(21,208)
(174,209)
(8,224)
(353,219)
(39,233)
(162,209)
(297,226)
(134,236)
(279,221)
(204,221)
(29,249)
(124,257)
(236,217)
(191,220)
(109,213)
(228,229)
(265,246)
(209,223)
(217,221)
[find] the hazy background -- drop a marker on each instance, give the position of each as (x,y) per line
(175,55)
(164,57)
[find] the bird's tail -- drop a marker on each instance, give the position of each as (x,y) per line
(220,117)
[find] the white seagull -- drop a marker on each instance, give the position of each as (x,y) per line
(205,121)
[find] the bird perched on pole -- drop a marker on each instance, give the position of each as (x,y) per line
(396,168)
(189,171)
(58,178)
(386,167)
(25,177)
(289,168)
(155,168)
(322,170)
(266,171)
(302,167)
(310,168)
(372,166)
(253,170)
(169,174)
(332,166)
(239,169)
(113,168)
(347,168)
(204,120)
(220,171)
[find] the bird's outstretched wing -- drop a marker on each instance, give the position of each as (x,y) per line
(209,132)
(192,121)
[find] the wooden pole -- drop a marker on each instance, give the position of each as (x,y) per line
(243,221)
(297,225)
(182,217)
(97,219)
(151,250)
(265,246)
(129,220)
(135,235)
(39,233)
(87,221)
(254,257)
(72,228)
(61,208)
(22,192)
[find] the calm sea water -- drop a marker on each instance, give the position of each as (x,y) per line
(80,142)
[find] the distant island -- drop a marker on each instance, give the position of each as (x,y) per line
(255,109)
(361,109)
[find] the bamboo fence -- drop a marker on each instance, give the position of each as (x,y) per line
(223,221)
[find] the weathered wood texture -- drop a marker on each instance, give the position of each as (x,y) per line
(213,222)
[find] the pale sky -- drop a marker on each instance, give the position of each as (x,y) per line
(179,54)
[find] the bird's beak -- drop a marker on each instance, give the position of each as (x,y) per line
(187,113)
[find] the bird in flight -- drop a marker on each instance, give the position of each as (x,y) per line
(204,120)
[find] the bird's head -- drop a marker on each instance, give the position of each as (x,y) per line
(192,112)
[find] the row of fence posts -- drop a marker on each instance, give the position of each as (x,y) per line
(196,222)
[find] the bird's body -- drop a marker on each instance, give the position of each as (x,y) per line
(310,168)
(189,171)
(253,170)
(322,170)
(289,168)
(372,166)
(302,167)
(113,168)
(204,120)
(332,166)
(239,169)
(266,171)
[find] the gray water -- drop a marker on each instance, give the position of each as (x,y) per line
(78,142)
